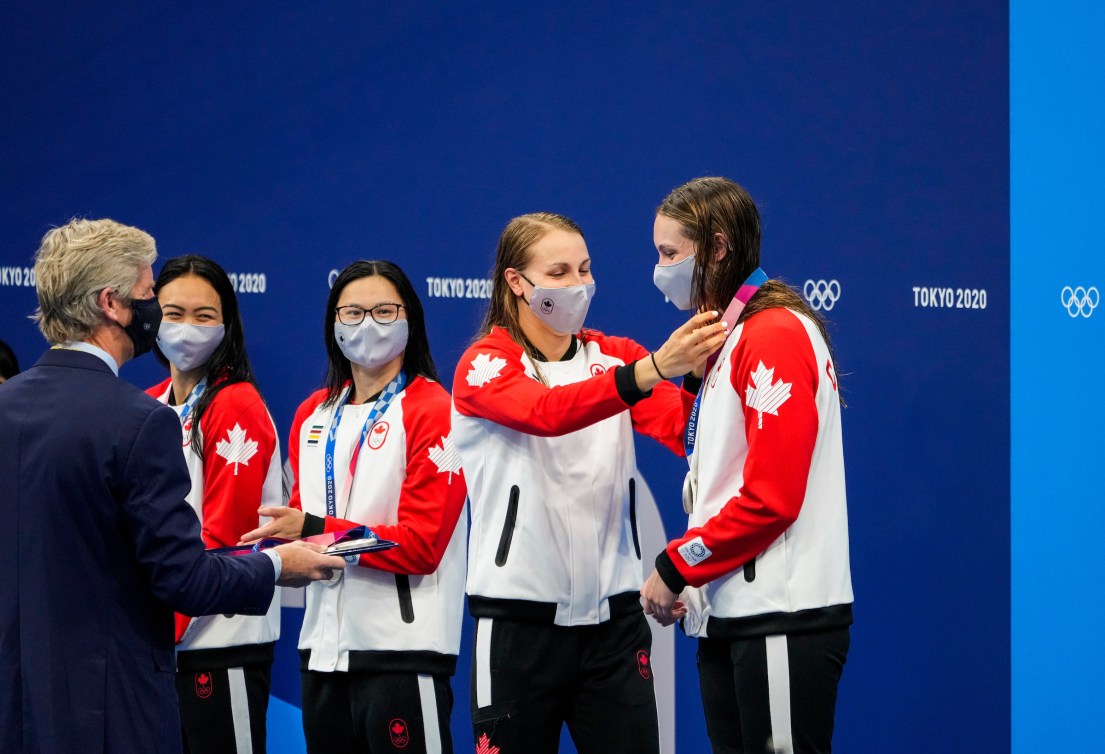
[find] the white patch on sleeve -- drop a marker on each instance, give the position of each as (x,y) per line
(484,369)
(694,551)
(765,396)
(446,457)
(237,448)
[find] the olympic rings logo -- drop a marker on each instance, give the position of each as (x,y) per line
(822,295)
(332,277)
(1080,301)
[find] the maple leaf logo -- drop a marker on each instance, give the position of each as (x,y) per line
(446,457)
(483,746)
(484,369)
(237,448)
(397,729)
(763,396)
(202,678)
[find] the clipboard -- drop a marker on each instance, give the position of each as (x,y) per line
(347,543)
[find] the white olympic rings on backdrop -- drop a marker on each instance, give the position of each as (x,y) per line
(822,295)
(1080,301)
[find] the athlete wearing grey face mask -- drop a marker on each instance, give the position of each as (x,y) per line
(189,346)
(562,309)
(370,343)
(674,281)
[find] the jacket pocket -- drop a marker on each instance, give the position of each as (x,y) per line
(633,516)
(508,528)
(406,604)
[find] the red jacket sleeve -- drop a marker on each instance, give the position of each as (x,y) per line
(490,383)
(663,415)
(432,495)
(780,450)
(238,446)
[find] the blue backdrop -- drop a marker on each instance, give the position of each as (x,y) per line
(288,139)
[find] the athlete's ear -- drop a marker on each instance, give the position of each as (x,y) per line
(721,246)
(514,280)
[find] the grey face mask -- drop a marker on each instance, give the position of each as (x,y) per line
(188,346)
(371,344)
(562,309)
(674,281)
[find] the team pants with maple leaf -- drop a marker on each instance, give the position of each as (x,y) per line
(372,713)
(772,693)
(224,709)
(529,679)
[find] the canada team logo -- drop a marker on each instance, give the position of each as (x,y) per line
(377,435)
(446,457)
(400,733)
(547,305)
(643,666)
(204,687)
(237,448)
(597,369)
(1079,301)
(484,369)
(186,432)
(764,395)
(484,745)
(822,294)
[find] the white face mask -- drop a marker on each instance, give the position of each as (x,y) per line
(188,346)
(674,281)
(562,309)
(371,344)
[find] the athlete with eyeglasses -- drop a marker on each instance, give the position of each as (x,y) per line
(379,644)
(544,418)
(761,575)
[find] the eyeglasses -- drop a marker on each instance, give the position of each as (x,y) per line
(384,314)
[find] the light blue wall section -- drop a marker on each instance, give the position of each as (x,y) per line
(1057,121)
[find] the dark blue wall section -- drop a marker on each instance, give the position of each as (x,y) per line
(290,139)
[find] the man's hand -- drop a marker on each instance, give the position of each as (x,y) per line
(302,562)
(660,602)
(287,523)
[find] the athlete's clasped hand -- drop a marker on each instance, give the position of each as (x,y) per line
(661,603)
(686,349)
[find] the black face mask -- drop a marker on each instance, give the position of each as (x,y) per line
(144,325)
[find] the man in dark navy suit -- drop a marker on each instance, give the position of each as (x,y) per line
(98,546)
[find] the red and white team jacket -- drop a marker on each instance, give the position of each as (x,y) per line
(398,609)
(552,476)
(238,472)
(766,551)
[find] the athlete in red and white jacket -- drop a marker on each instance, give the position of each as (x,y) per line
(553,470)
(224,663)
(379,643)
(763,568)
(771,464)
(544,414)
(237,472)
(400,611)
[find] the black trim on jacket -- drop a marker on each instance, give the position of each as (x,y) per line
(392,661)
(532,611)
(772,624)
(217,658)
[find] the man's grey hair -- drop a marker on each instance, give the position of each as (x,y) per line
(77,261)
